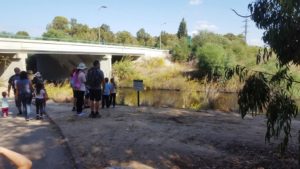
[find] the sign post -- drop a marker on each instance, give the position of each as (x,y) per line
(138,86)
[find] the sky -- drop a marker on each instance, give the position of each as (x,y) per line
(154,16)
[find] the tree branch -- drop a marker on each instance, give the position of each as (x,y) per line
(243,16)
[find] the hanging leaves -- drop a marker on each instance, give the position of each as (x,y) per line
(254,96)
(280,111)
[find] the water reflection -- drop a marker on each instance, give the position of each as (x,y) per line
(179,99)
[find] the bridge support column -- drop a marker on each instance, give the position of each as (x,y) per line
(105,65)
(19,61)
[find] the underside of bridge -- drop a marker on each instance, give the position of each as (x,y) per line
(55,67)
(5,60)
(58,66)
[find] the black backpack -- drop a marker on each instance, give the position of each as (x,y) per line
(94,78)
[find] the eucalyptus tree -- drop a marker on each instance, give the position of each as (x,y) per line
(272,94)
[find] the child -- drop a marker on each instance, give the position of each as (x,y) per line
(106,93)
(40,99)
(4,104)
(113,92)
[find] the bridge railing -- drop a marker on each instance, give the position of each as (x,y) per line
(73,41)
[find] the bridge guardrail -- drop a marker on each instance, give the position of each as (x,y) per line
(71,40)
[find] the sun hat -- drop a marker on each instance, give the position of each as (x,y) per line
(81,66)
(37,74)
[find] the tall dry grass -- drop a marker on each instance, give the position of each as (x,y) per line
(59,92)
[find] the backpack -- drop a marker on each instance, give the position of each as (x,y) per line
(94,78)
(75,82)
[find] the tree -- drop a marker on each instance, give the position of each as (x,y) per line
(181,51)
(22,34)
(143,37)
(280,20)
(211,59)
(272,95)
(168,41)
(182,30)
(106,34)
(125,37)
(59,23)
(58,28)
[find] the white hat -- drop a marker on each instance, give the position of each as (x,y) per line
(81,66)
(37,74)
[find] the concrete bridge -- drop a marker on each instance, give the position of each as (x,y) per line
(55,59)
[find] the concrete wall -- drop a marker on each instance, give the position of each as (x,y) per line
(19,61)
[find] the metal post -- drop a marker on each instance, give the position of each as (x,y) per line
(99,33)
(138,98)
(101,7)
(160,40)
(160,35)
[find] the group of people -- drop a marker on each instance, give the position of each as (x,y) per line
(89,86)
(25,90)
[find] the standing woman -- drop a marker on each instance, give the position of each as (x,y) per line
(24,93)
(72,76)
(113,92)
(79,86)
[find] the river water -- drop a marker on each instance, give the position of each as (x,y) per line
(179,99)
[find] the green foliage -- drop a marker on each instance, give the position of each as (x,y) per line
(124,69)
(22,34)
(182,30)
(143,37)
(210,58)
(125,37)
(168,41)
(280,111)
(56,34)
(271,96)
(280,20)
(255,94)
(181,51)
(106,34)
(59,23)
(208,37)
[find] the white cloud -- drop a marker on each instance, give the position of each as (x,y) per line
(204,25)
(195,2)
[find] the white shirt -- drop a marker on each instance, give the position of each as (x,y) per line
(41,95)
(82,79)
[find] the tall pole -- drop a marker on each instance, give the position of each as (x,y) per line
(246,29)
(160,35)
(99,31)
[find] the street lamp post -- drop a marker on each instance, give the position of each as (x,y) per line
(99,31)
(160,35)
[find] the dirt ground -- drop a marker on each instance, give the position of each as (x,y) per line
(165,138)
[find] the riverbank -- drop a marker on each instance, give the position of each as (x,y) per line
(147,137)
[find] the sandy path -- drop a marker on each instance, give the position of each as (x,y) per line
(164,138)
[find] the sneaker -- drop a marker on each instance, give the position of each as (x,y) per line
(91,115)
(97,115)
(81,114)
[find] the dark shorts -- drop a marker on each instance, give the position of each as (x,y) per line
(74,93)
(95,94)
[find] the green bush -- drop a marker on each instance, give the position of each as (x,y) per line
(181,51)
(211,58)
